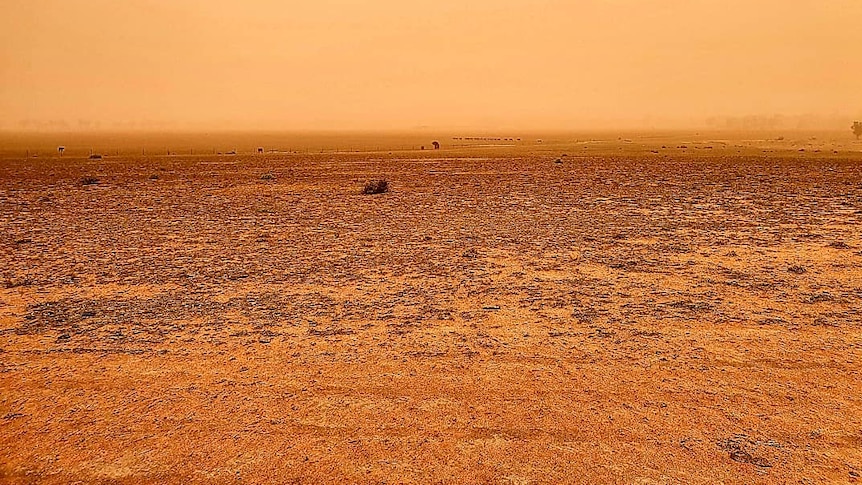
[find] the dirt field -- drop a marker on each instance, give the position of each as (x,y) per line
(632,314)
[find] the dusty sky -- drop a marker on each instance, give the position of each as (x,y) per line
(398,64)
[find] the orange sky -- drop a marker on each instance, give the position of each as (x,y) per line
(399,64)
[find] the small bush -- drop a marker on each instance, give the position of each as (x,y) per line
(267,176)
(95,156)
(376,187)
(88,180)
(154,177)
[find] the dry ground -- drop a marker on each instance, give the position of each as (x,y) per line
(685,316)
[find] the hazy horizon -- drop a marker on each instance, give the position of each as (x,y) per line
(337,65)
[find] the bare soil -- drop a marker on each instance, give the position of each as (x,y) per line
(664,316)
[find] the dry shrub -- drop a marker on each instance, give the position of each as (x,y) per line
(376,187)
(88,180)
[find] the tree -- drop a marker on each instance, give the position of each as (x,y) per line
(61,149)
(857,128)
(436,145)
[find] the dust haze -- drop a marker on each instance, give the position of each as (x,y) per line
(383,65)
(485,242)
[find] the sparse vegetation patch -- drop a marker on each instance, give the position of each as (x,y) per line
(376,187)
